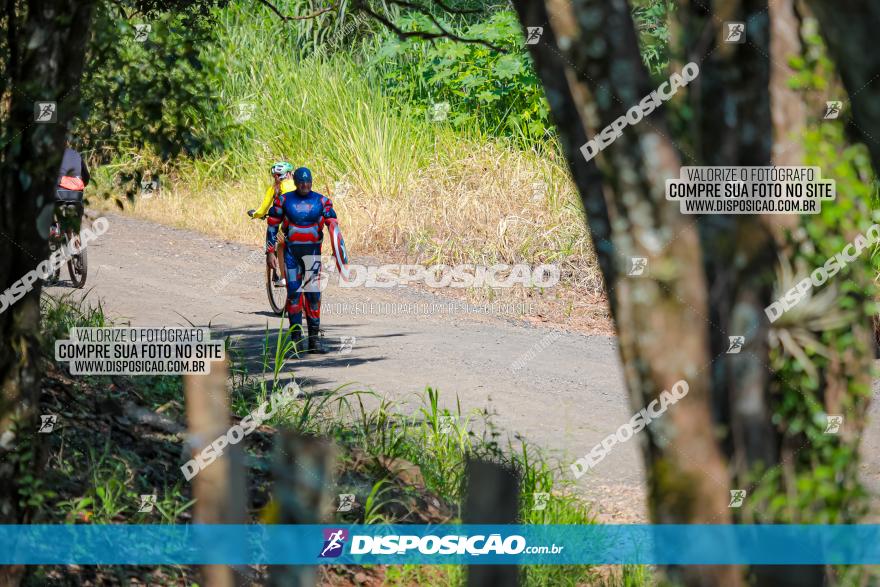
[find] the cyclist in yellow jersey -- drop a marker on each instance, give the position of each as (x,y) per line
(282,174)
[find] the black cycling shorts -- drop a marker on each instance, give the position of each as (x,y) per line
(68,196)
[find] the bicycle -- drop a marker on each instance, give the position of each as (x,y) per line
(276,282)
(64,232)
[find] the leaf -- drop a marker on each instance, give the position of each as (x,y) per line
(472,81)
(487,97)
(507,66)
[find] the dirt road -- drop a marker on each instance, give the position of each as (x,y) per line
(565,400)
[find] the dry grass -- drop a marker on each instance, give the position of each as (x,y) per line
(419,191)
(488,207)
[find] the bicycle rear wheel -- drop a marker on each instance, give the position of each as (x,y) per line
(77,265)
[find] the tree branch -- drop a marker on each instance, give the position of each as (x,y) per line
(119,5)
(286,18)
(457,10)
(444,34)
(427,35)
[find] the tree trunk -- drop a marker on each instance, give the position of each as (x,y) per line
(849,28)
(788,109)
(698,290)
(45,64)
(590,48)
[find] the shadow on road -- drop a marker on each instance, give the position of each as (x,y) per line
(253,350)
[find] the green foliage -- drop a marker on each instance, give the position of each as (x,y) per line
(320,109)
(112,494)
(151,94)
(489,91)
(59,314)
(821,485)
(651,18)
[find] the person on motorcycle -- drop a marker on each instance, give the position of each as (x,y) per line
(301,215)
(73,177)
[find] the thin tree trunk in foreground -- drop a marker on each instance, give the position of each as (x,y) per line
(220,490)
(589,63)
(45,64)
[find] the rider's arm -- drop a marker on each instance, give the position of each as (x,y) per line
(86,176)
(328,213)
(273,222)
(267,203)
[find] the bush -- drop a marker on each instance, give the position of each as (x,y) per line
(486,90)
(150,94)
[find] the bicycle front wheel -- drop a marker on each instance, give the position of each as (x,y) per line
(277,293)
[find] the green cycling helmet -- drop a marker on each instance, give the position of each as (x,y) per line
(281,168)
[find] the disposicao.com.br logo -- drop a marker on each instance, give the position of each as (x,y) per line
(334,541)
(395,544)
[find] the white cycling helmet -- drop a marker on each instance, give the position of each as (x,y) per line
(281,168)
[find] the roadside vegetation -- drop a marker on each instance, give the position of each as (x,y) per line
(432,152)
(121,437)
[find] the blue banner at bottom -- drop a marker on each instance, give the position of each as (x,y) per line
(440,544)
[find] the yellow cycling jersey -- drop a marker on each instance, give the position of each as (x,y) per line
(287,185)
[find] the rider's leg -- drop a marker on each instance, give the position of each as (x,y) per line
(294,304)
(312,304)
(277,275)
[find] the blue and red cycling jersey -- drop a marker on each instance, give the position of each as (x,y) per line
(301,218)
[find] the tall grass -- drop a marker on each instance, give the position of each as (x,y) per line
(415,189)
